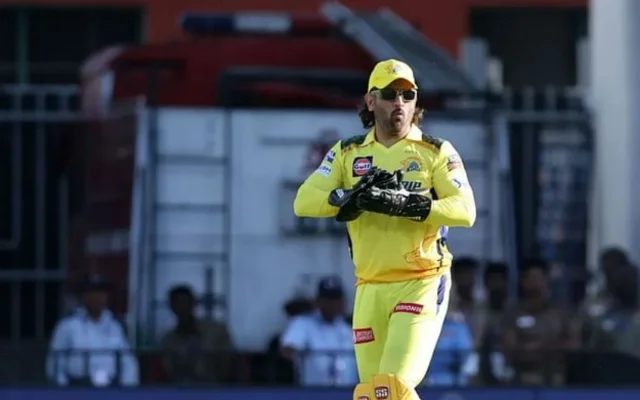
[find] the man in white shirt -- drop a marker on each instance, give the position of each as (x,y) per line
(321,343)
(90,347)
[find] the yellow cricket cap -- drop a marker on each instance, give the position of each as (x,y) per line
(388,71)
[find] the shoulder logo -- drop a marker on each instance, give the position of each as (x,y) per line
(454,162)
(319,149)
(460,183)
(362,165)
(330,156)
(324,170)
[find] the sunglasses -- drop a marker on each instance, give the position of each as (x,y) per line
(391,94)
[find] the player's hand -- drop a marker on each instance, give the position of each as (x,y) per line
(395,202)
(341,197)
(383,201)
(345,199)
(390,180)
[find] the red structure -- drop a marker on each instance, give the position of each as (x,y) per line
(193,72)
(445,22)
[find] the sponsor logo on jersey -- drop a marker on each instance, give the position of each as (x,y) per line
(331,155)
(324,170)
(408,308)
(364,335)
(381,392)
(362,165)
(412,186)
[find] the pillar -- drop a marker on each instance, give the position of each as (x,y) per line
(614,28)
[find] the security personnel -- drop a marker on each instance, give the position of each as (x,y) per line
(321,342)
(397,223)
(89,347)
(453,361)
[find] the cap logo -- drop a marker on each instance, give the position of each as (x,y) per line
(394,68)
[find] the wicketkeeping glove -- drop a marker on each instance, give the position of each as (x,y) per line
(345,199)
(395,202)
(392,183)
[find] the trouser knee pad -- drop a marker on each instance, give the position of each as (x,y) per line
(390,387)
(363,391)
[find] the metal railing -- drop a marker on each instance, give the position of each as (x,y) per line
(27,365)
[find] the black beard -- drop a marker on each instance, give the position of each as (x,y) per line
(393,126)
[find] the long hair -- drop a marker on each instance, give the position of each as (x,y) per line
(368,119)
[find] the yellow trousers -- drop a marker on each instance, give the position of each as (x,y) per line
(397,325)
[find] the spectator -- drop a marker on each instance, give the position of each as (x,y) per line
(281,369)
(606,314)
(464,272)
(621,277)
(628,341)
(606,329)
(536,333)
(496,285)
(611,261)
(453,362)
(89,347)
(321,343)
(610,327)
(195,351)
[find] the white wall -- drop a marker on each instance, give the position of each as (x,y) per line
(268,147)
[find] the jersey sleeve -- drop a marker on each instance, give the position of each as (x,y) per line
(454,205)
(312,199)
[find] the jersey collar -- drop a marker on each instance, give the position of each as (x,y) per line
(415,135)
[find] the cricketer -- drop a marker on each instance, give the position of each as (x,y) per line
(399,190)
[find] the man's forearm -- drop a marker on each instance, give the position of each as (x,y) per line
(311,201)
(454,211)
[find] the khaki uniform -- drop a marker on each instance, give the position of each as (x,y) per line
(534,344)
(202,356)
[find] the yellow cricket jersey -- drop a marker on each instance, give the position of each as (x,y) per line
(385,248)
